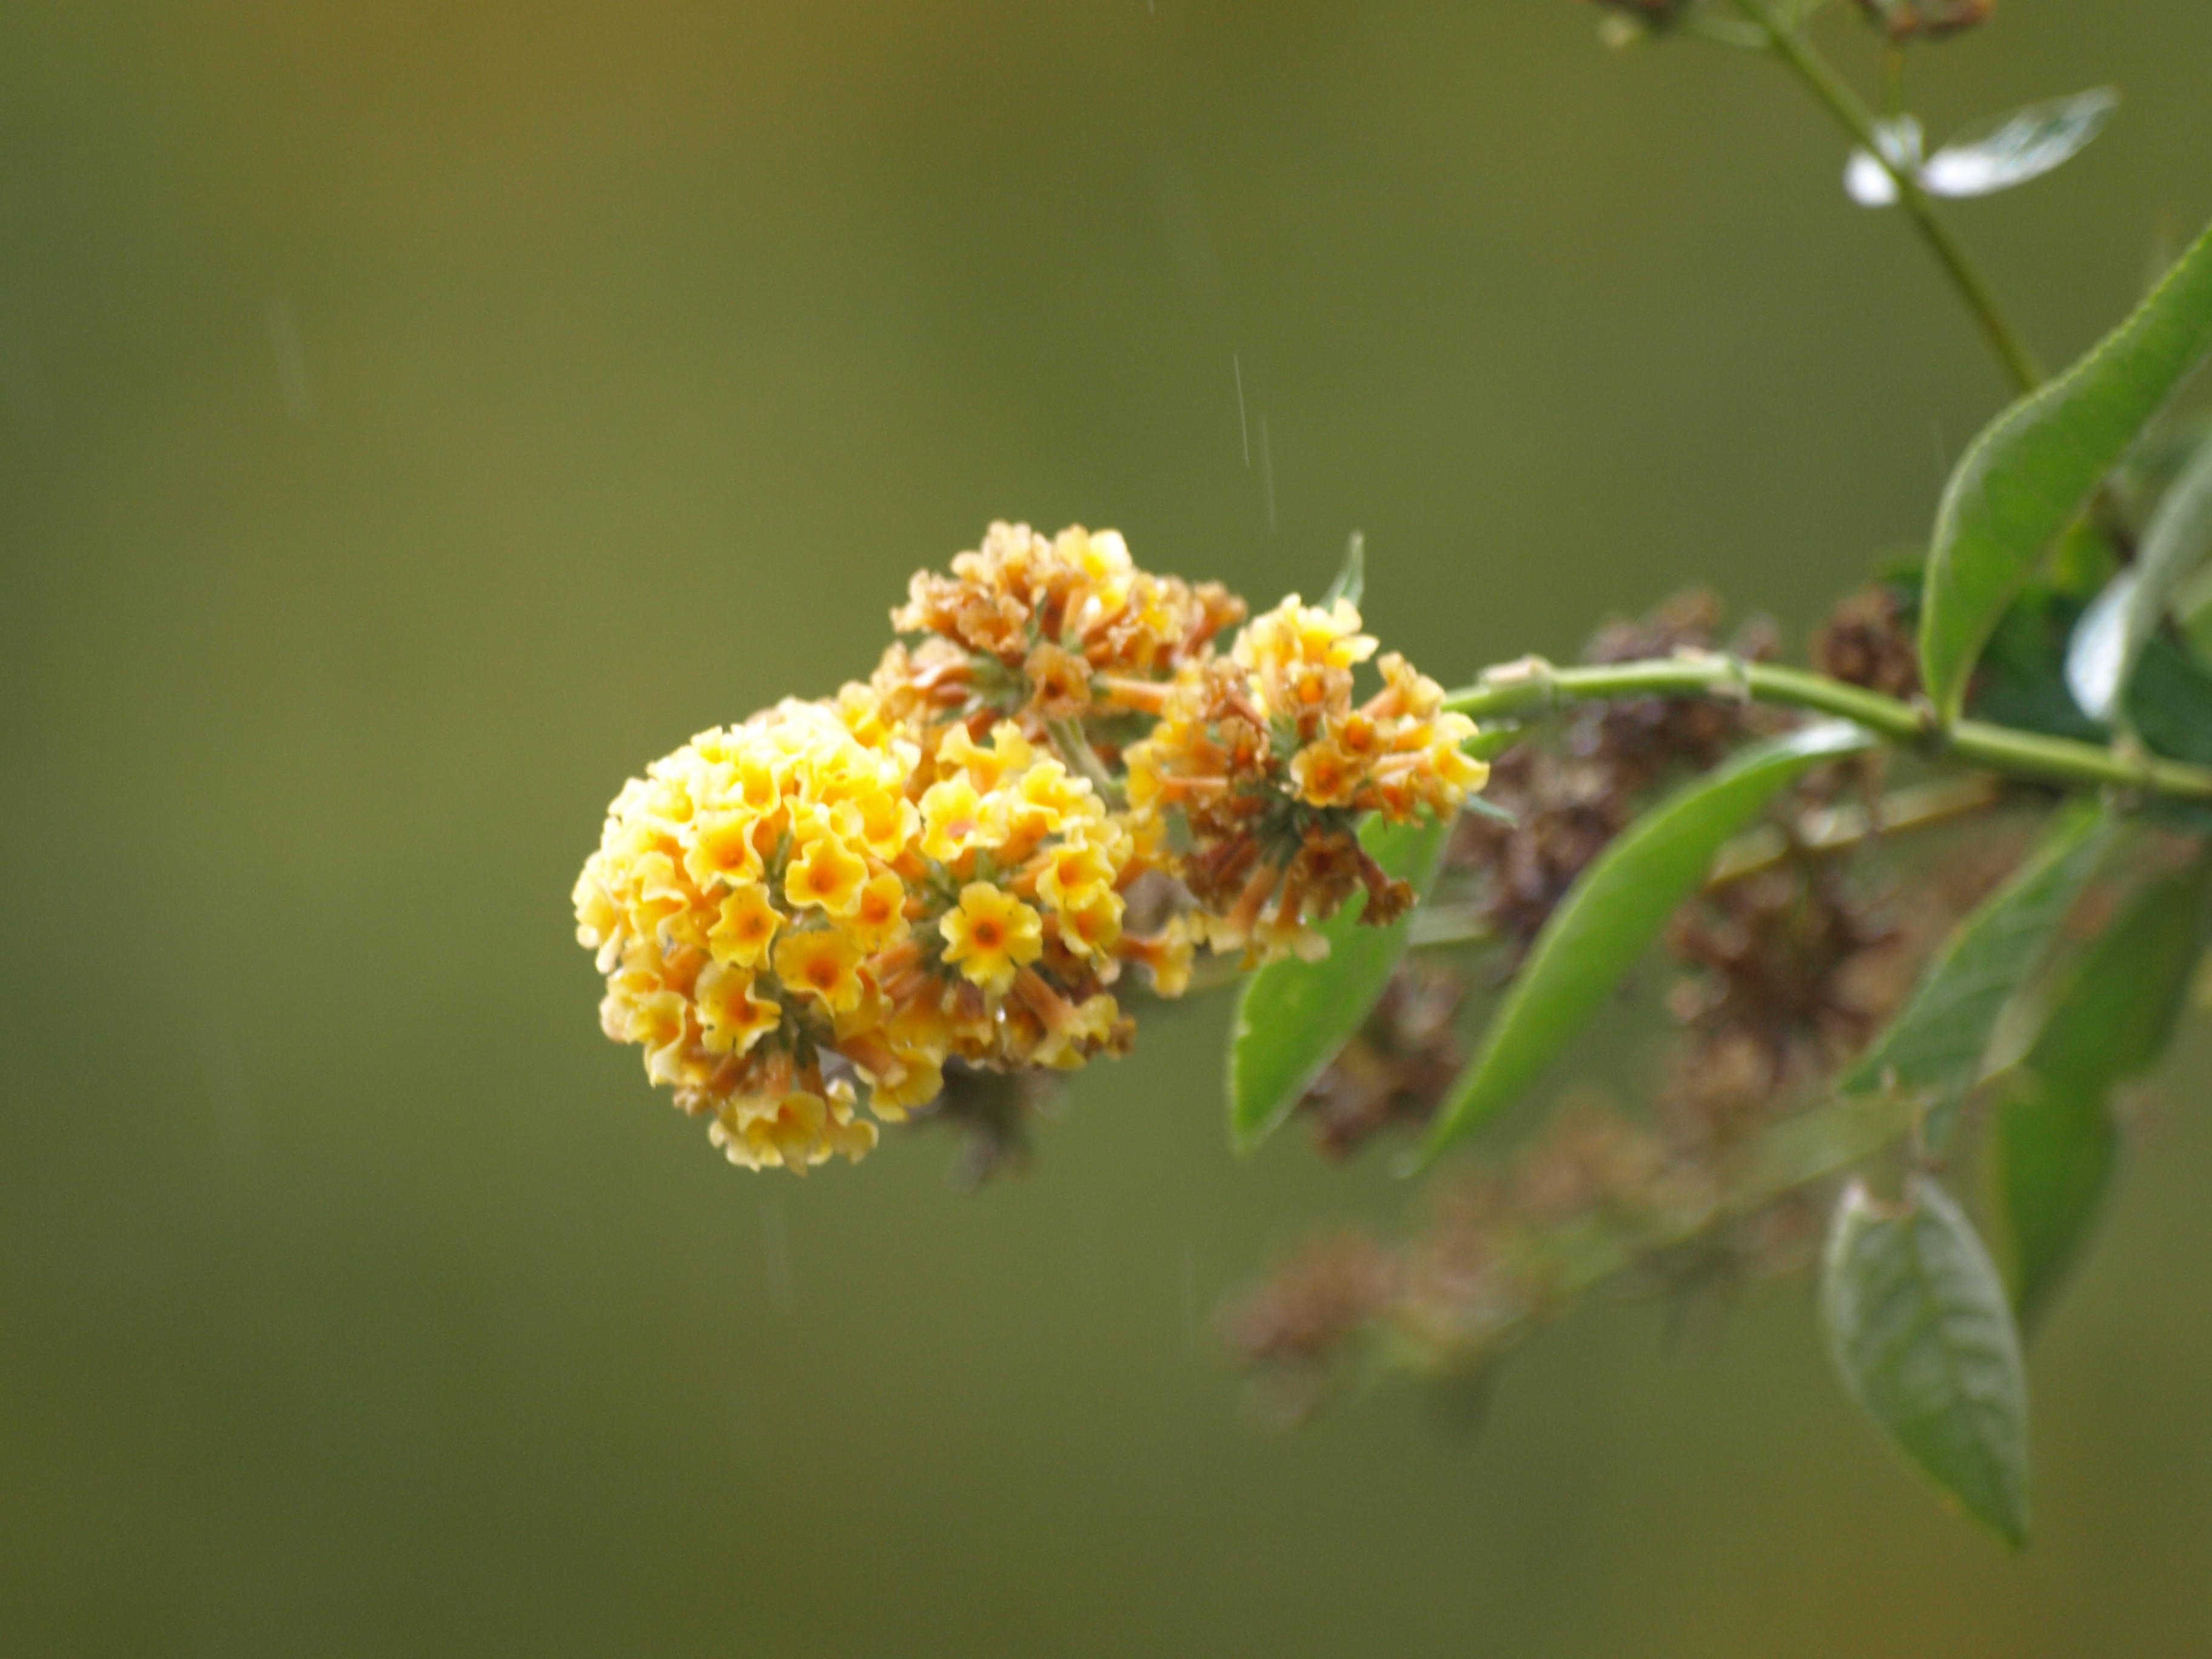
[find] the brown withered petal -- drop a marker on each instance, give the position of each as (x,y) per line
(1867,641)
(1059,682)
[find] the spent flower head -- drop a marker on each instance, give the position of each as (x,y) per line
(1268,760)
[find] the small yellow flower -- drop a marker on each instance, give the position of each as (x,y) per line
(1167,957)
(794,1131)
(724,849)
(886,821)
(880,917)
(598,918)
(1458,774)
(1326,775)
(746,923)
(821,965)
(827,872)
(1075,874)
(661,892)
(917,1080)
(1094,928)
(1046,799)
(759,780)
(990,935)
(657,1024)
(953,820)
(1010,752)
(734,1018)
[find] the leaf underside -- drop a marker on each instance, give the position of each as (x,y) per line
(1920,1329)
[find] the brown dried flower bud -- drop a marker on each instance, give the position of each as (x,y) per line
(1398,1066)
(1567,805)
(1867,641)
(1059,682)
(1929,20)
(1298,1332)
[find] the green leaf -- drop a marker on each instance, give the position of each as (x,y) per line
(2054,1148)
(2020,680)
(2038,465)
(1351,581)
(1613,912)
(1919,1328)
(2170,703)
(2101,661)
(2054,1139)
(1935,1046)
(1294,1015)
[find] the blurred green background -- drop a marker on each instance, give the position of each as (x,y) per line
(417,417)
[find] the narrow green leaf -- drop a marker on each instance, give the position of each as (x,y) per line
(2111,633)
(1351,581)
(1615,910)
(2038,465)
(1294,1015)
(2054,1142)
(1935,1046)
(1919,1328)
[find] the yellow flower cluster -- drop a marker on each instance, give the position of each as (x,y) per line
(810,916)
(1267,758)
(789,907)
(1034,627)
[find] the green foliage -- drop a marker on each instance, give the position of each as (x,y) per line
(1616,909)
(1935,1047)
(2020,681)
(2170,703)
(2054,1139)
(2039,464)
(1294,1015)
(2101,664)
(2192,609)
(1920,1329)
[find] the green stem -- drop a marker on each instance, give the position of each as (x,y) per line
(1818,834)
(1533,686)
(1075,749)
(1790,45)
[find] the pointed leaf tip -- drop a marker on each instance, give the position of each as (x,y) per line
(2039,464)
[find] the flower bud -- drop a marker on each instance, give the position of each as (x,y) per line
(1932,20)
